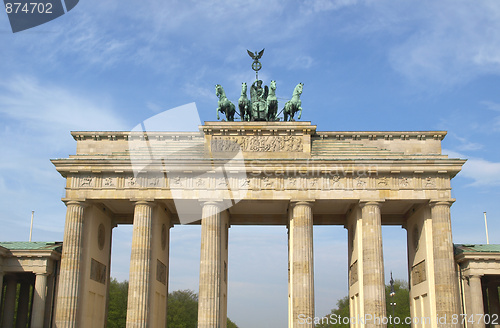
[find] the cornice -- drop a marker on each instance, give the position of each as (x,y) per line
(251,128)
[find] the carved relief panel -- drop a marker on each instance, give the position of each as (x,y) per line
(257,144)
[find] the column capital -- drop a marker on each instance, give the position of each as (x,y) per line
(308,203)
(444,202)
(375,202)
(142,202)
(221,203)
(45,271)
(212,202)
(79,202)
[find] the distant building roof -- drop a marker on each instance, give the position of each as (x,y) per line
(35,245)
(475,248)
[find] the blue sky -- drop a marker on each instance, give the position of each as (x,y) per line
(365,65)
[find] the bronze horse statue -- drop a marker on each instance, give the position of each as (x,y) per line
(225,105)
(294,105)
(272,102)
(244,104)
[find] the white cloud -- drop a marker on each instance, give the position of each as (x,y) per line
(155,108)
(200,91)
(453,42)
(48,107)
(484,173)
(491,105)
(481,171)
(158,35)
(36,120)
(494,107)
(466,144)
(327,5)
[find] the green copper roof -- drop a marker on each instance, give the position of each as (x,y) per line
(476,248)
(35,245)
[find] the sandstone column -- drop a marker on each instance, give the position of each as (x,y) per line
(23,304)
(39,297)
(10,301)
(140,267)
(69,278)
(301,262)
(373,264)
(477,308)
(211,304)
(445,279)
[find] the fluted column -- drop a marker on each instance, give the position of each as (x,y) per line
(69,278)
(477,306)
(140,267)
(445,279)
(373,265)
(209,303)
(39,297)
(10,301)
(23,304)
(301,265)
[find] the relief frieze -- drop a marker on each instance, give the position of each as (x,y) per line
(257,144)
(131,182)
(336,182)
(87,181)
(244,183)
(155,182)
(291,183)
(177,182)
(269,181)
(429,182)
(404,182)
(360,183)
(109,182)
(313,184)
(383,182)
(222,183)
(200,183)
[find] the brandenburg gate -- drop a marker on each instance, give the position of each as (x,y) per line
(255,173)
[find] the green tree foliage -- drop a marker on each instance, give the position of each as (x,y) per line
(117,311)
(183,310)
(182,307)
(402,309)
(231,324)
(335,318)
(402,300)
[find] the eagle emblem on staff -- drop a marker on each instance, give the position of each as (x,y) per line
(256,65)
